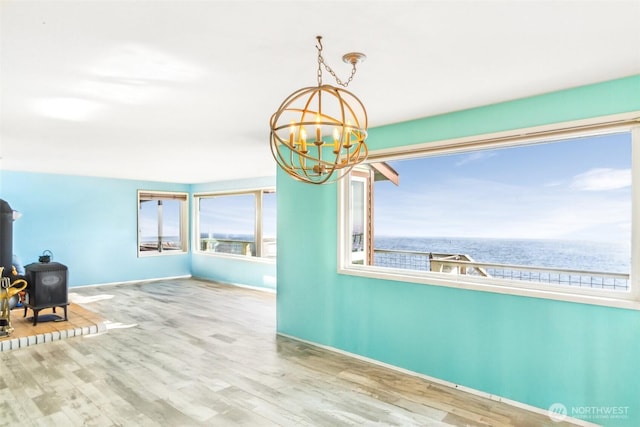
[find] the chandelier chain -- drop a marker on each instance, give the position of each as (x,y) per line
(321,63)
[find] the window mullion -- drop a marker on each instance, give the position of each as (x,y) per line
(160,225)
(258,222)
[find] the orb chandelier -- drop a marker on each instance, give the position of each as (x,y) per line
(318,133)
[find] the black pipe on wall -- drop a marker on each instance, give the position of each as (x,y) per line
(6,237)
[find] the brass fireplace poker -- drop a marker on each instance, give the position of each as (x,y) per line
(7,291)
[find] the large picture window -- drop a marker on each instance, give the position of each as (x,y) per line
(162,223)
(552,216)
(242,223)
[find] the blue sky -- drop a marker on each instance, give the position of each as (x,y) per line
(232,214)
(577,189)
(236,214)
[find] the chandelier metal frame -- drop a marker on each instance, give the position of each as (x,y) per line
(340,122)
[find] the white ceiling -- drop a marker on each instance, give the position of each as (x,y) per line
(182,91)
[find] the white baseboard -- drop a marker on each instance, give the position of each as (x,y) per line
(130,282)
(239,285)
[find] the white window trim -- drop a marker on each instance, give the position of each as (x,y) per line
(622,122)
(365,224)
(258,223)
(184,223)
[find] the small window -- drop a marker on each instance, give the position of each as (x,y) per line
(360,220)
(241,224)
(162,223)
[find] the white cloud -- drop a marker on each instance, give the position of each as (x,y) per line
(601,179)
(476,156)
(479,208)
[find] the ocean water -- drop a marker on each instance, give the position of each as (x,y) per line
(606,257)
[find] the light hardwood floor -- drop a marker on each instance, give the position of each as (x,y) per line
(189,353)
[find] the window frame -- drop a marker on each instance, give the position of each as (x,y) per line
(629,122)
(258,194)
(183,197)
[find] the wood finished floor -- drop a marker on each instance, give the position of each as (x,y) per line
(191,353)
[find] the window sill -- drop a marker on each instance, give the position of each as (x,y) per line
(593,297)
(148,254)
(236,257)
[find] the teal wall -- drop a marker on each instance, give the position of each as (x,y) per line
(90,225)
(530,350)
(251,271)
(235,271)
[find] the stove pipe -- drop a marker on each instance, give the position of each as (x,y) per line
(6,237)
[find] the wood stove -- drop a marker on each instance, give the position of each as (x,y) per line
(47,288)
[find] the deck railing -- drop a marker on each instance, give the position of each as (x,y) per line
(239,247)
(463,265)
(227,246)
